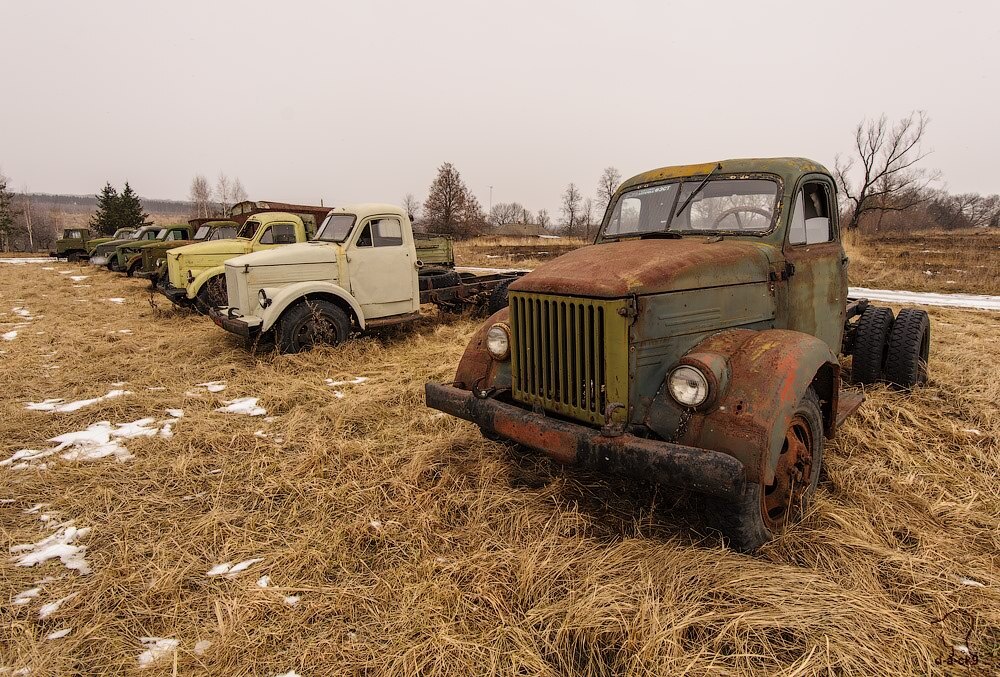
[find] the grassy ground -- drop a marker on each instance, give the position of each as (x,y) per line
(415,546)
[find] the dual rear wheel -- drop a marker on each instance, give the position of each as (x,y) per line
(891,349)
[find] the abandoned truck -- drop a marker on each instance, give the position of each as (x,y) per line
(195,272)
(104,253)
(365,269)
(154,254)
(72,245)
(128,256)
(694,344)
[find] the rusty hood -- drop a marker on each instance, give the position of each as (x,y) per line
(617,269)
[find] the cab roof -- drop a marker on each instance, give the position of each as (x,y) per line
(787,167)
(365,209)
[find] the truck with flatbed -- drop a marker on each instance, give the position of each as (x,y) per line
(366,268)
(696,344)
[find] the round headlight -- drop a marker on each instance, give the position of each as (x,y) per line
(688,386)
(498,341)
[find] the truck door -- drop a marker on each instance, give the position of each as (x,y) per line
(816,265)
(380,266)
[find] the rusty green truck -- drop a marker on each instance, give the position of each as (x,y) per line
(72,245)
(695,344)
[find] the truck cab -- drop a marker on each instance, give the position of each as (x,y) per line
(695,343)
(195,272)
(73,244)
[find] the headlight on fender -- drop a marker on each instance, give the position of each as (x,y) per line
(688,386)
(498,341)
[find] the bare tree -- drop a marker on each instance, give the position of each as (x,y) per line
(543,218)
(223,193)
(890,180)
(587,216)
(411,205)
(450,207)
(507,212)
(29,225)
(239,192)
(606,187)
(571,205)
(200,196)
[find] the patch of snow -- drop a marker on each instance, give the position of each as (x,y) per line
(290,673)
(376,525)
(352,382)
(10,336)
(973,431)
(59,634)
(242,405)
(260,433)
(339,394)
(78,278)
(230,570)
(213,386)
(116,299)
(551,237)
(201,646)
(156,648)
(22,458)
(124,331)
(23,312)
(22,598)
(65,272)
(60,405)
(972,583)
(52,607)
(176,413)
(981,302)
(262,582)
(35,509)
(291,600)
(167,430)
(61,545)
(27,259)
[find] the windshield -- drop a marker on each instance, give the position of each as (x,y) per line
(162,234)
(202,232)
(336,227)
(122,233)
(223,233)
(248,229)
(722,205)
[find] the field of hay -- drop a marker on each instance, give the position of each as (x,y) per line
(384,538)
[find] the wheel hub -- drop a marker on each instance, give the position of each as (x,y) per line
(792,475)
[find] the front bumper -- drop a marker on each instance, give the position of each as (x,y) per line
(666,463)
(146,274)
(234,325)
(175,294)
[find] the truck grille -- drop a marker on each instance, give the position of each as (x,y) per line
(569,355)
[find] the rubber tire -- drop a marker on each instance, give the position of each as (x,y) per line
(293,320)
(204,300)
(74,257)
(437,278)
(909,348)
(741,522)
(498,298)
(133,269)
(871,343)
(113,265)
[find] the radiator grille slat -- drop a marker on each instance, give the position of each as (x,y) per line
(560,354)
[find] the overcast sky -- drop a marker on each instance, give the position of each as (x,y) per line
(363,100)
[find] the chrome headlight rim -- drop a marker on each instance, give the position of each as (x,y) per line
(703,391)
(498,345)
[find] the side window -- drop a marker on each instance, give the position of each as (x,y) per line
(149,235)
(365,238)
(387,232)
(278,233)
(76,235)
(175,235)
(811,222)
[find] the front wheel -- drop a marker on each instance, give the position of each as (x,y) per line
(312,322)
(212,294)
(766,510)
(113,265)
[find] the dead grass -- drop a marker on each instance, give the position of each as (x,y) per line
(417,547)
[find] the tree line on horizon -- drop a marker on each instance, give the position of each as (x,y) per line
(882,184)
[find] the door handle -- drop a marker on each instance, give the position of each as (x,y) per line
(844,261)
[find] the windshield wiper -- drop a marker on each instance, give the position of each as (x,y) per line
(698,189)
(660,234)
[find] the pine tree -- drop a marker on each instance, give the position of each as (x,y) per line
(130,213)
(105,219)
(450,206)
(8,226)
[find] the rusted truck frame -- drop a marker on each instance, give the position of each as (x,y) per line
(695,344)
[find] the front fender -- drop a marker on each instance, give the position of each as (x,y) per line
(201,278)
(477,369)
(766,375)
(287,295)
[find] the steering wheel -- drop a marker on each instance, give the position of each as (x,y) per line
(735,212)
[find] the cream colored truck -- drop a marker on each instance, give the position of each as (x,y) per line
(361,271)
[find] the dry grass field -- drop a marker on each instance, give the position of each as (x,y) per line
(384,538)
